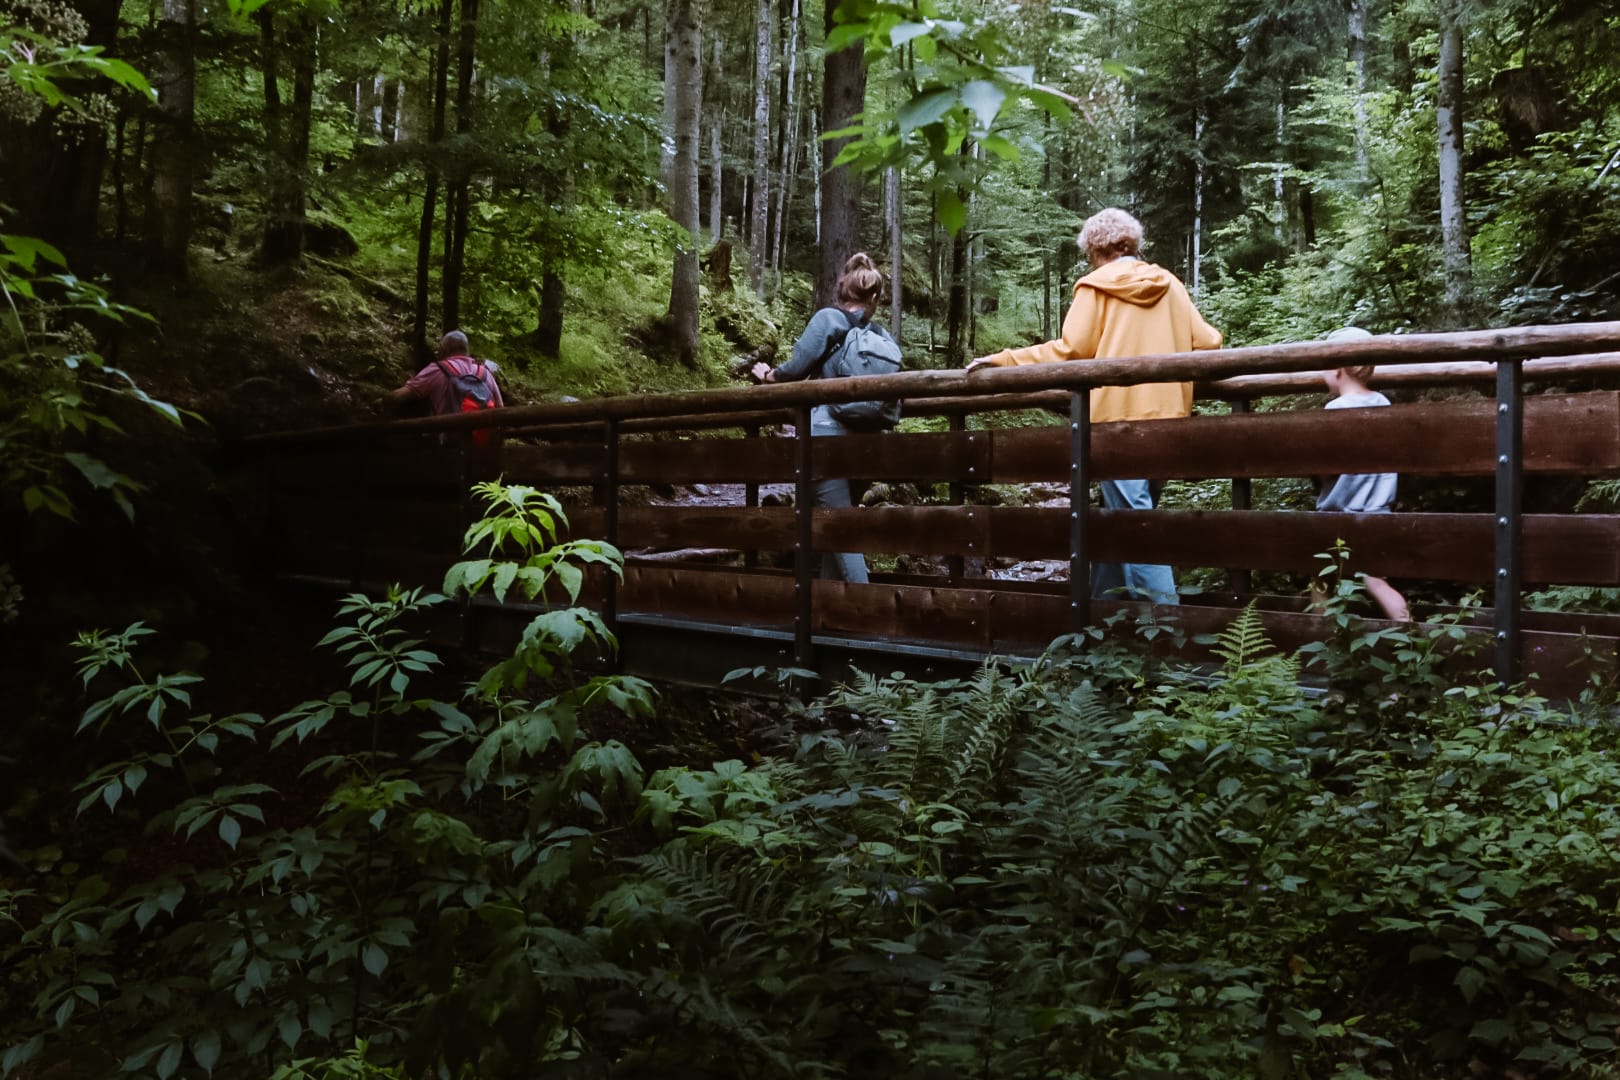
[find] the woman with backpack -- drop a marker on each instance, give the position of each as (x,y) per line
(860,287)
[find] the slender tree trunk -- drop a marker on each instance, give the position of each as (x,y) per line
(1449,117)
(788,144)
(430,195)
(816,196)
(759,232)
(1356,26)
(956,314)
(461,176)
(1279,176)
(896,205)
(792,132)
(683,90)
(120,203)
(168,223)
(1196,258)
(286,133)
(843,92)
(717,170)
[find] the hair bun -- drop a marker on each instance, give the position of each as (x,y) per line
(859,261)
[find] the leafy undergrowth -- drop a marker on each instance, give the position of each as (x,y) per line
(1086,867)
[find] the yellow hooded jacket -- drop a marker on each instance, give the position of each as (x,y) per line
(1127,308)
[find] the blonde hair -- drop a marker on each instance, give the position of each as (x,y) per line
(860,283)
(1361,372)
(1111,233)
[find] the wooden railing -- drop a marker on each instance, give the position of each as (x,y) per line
(385,501)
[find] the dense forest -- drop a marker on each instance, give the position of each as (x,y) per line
(238,838)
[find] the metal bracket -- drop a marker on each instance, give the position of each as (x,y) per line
(1241,581)
(804,498)
(610,515)
(1509,517)
(1079,510)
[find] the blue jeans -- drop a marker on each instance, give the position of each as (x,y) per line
(1131,581)
(835,494)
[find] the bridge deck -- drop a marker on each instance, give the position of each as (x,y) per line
(389,502)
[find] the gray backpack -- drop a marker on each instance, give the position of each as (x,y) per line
(864,350)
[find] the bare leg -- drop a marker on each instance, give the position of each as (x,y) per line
(1393,603)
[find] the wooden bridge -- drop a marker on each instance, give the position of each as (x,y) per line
(369,504)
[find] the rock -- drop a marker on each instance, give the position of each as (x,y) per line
(328,238)
(702,490)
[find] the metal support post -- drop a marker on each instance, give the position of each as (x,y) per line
(804,498)
(610,517)
(1509,516)
(956,564)
(1241,581)
(1079,510)
(751,498)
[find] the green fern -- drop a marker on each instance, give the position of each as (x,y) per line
(1243,641)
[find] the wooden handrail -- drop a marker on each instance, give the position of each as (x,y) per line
(1472,347)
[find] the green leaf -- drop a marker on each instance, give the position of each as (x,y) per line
(169,1060)
(842,37)
(205,1048)
(374,959)
(984,99)
(1492,1031)
(230,830)
(21,1054)
(952,212)
(906,31)
(504,575)
(290,1030)
(1470,980)
(926,108)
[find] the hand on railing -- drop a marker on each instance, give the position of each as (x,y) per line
(981,362)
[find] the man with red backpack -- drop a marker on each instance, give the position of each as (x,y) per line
(455,383)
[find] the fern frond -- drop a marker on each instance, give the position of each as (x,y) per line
(1243,641)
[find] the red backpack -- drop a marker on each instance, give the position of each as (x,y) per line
(472,393)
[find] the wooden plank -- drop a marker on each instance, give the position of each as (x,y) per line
(1567,549)
(554,463)
(760,460)
(921,457)
(1566,433)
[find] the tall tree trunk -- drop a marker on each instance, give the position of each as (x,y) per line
(717,169)
(792,105)
(168,222)
(843,92)
(461,175)
(286,133)
(1449,117)
(1195,260)
(896,204)
(815,174)
(558,190)
(1279,176)
(430,195)
(683,91)
(956,314)
(1356,27)
(759,233)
